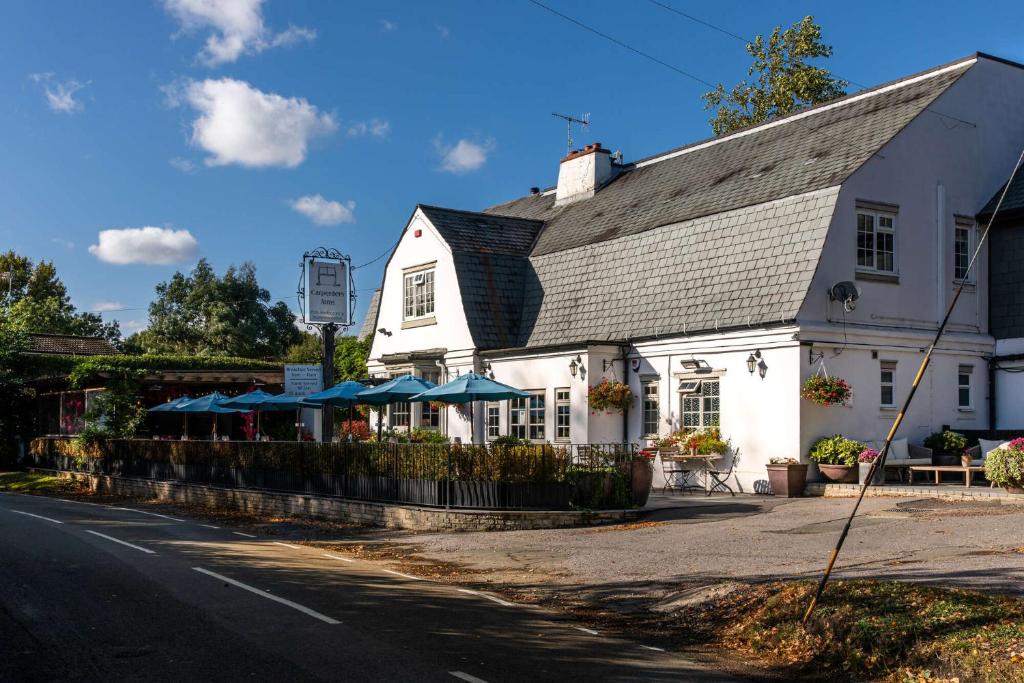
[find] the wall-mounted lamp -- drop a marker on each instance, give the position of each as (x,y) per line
(384,332)
(752,361)
(762,368)
(574,364)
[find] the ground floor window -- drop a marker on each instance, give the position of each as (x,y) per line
(430,414)
(651,418)
(701,405)
(398,414)
(493,420)
(963,385)
(887,382)
(526,417)
(562,414)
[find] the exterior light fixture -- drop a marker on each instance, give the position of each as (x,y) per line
(754,362)
(572,367)
(384,332)
(576,364)
(751,362)
(695,364)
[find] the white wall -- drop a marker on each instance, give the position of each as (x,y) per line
(1009,383)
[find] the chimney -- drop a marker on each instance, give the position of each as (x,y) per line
(582,173)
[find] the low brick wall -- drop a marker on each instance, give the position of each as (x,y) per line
(977,493)
(347,510)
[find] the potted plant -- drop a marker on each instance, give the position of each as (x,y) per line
(610,396)
(826,391)
(1005,466)
(836,457)
(865,460)
(947,447)
(787,477)
(641,475)
(706,441)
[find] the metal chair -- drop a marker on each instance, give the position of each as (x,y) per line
(677,474)
(720,477)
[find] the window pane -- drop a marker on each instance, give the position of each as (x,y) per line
(884,259)
(886,398)
(651,416)
(493,420)
(961,249)
(965,397)
(865,240)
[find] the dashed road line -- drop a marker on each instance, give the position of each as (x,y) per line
(404,576)
(118,540)
(492,598)
(287,545)
(338,557)
(263,594)
(586,630)
(209,526)
(29,514)
(239,533)
(652,648)
(462,675)
(151,514)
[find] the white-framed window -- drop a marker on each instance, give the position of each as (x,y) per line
(701,407)
(876,241)
(493,415)
(651,409)
(963,387)
(430,416)
(526,417)
(887,384)
(563,414)
(418,294)
(398,414)
(963,243)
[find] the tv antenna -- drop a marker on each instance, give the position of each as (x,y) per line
(583,121)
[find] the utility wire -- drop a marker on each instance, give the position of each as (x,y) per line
(880,460)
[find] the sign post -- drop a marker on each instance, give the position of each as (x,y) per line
(327,299)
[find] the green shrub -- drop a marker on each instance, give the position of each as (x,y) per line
(1005,466)
(836,450)
(946,442)
(420,435)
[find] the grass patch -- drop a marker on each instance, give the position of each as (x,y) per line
(37,482)
(878,630)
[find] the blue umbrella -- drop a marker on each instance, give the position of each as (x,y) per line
(468,388)
(341,396)
(252,400)
(211,403)
(167,407)
(398,389)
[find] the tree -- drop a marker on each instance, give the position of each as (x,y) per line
(350,355)
(201,313)
(15,395)
(784,80)
(39,301)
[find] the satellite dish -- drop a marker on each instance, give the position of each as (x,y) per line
(847,292)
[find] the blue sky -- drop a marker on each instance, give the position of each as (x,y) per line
(124,115)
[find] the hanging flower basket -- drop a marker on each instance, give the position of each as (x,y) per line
(610,396)
(826,391)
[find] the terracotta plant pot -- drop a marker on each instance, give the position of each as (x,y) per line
(641,476)
(965,460)
(787,481)
(1015,489)
(840,474)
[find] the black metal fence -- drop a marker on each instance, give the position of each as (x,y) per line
(550,477)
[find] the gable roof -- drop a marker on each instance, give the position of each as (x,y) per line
(69,345)
(1012,205)
(807,151)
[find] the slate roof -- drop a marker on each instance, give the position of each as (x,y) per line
(720,234)
(69,345)
(370,321)
(1014,201)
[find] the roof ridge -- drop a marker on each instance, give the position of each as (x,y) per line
(482,214)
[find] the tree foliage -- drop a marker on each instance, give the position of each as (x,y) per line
(783,80)
(350,355)
(205,314)
(39,301)
(15,394)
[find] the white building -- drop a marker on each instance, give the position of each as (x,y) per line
(716,251)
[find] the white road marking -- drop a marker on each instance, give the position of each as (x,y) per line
(404,576)
(652,648)
(466,677)
(152,514)
(256,591)
(81,502)
(586,630)
(210,526)
(117,540)
(338,557)
(287,545)
(501,602)
(48,519)
(239,533)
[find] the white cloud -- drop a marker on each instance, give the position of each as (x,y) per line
(443,32)
(60,95)
(237,28)
(149,245)
(324,211)
(183,165)
(107,306)
(67,244)
(130,326)
(464,156)
(374,127)
(238,124)
(388,26)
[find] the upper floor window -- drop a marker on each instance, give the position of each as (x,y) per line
(418,294)
(876,241)
(887,384)
(963,239)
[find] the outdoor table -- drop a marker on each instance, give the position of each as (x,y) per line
(706,462)
(968,472)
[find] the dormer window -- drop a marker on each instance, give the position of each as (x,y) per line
(418,293)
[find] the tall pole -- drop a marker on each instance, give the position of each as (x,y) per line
(327,411)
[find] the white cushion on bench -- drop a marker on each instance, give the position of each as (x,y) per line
(989,445)
(899,452)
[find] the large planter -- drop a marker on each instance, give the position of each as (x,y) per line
(787,481)
(641,475)
(862,474)
(840,474)
(1015,488)
(945,459)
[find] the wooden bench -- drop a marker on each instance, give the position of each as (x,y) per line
(968,472)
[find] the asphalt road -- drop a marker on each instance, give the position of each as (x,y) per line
(91,592)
